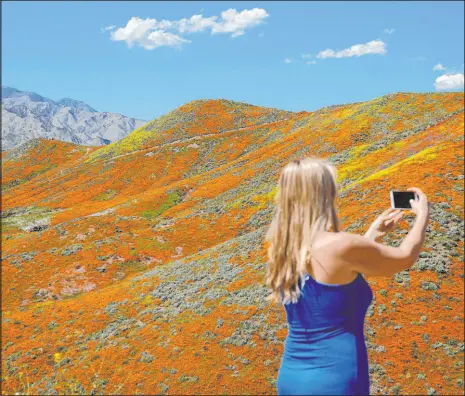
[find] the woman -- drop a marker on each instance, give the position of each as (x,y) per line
(317,275)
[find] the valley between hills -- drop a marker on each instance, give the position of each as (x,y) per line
(138,267)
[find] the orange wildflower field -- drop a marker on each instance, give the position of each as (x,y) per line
(138,267)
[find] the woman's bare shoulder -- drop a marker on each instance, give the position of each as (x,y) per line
(343,236)
(344,240)
(338,243)
(332,248)
(332,240)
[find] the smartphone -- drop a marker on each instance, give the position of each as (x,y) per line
(400,199)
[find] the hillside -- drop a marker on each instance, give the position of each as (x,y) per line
(138,267)
(27,115)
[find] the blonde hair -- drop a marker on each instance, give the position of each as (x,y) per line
(305,204)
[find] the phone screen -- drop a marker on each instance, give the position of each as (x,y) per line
(401,199)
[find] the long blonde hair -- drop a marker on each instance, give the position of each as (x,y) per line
(305,204)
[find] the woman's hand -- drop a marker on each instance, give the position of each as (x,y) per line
(384,223)
(420,205)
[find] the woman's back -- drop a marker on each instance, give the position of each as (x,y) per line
(325,350)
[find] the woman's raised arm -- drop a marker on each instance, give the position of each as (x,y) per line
(375,259)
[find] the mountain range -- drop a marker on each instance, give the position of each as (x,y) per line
(27,115)
(138,267)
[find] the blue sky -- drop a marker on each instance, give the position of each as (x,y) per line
(290,55)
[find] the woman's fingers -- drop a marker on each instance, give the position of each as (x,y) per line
(398,216)
(387,212)
(390,221)
(418,193)
(391,214)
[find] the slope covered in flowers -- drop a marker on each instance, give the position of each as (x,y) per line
(138,267)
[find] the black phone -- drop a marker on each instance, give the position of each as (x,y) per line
(400,199)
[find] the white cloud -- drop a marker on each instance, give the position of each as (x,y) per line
(373,47)
(389,31)
(439,67)
(160,38)
(448,82)
(287,60)
(311,62)
(236,22)
(104,29)
(231,21)
(141,31)
(150,33)
(196,23)
(306,56)
(135,31)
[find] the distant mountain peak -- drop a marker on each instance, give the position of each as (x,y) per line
(76,104)
(27,115)
(9,92)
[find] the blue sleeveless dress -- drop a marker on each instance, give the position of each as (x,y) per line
(325,351)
